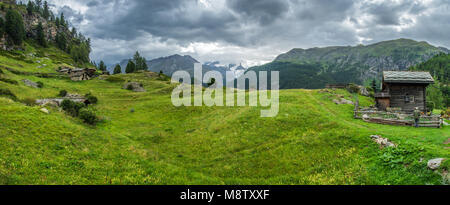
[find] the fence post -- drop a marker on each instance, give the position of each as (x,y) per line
(355,113)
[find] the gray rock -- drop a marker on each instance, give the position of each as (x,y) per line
(342,101)
(383,142)
(30,83)
(363,91)
(44,110)
(56,102)
(435,163)
(134,86)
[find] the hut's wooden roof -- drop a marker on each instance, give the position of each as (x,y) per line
(407,77)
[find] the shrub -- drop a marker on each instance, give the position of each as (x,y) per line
(40,84)
(88,116)
(352,88)
(29,101)
(91,99)
(114,79)
(62,93)
(130,87)
(430,106)
(7,93)
(1,71)
(71,107)
(6,80)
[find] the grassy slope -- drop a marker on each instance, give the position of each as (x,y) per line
(312,141)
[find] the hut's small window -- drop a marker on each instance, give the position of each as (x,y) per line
(409,99)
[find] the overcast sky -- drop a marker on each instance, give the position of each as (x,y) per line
(248,31)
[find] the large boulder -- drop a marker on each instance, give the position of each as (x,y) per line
(30,83)
(134,86)
(435,163)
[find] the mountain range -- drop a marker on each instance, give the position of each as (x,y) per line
(314,68)
(170,64)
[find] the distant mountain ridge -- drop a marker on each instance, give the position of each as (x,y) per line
(170,64)
(348,64)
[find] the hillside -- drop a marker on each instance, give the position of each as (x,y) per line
(346,64)
(438,66)
(144,139)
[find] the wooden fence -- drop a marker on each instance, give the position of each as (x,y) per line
(395,118)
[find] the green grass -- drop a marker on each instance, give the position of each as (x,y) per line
(311,141)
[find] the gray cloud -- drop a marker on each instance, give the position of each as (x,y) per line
(248,30)
(264,11)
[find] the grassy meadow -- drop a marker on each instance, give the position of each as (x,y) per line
(311,141)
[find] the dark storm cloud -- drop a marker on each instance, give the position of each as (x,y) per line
(389,13)
(263,27)
(177,19)
(72,16)
(264,11)
(323,10)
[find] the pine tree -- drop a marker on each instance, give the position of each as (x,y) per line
(374,85)
(62,21)
(40,35)
(46,12)
(131,67)
(117,69)
(102,66)
(140,61)
(30,8)
(2,27)
(57,22)
(61,41)
(38,5)
(74,32)
(144,65)
(14,26)
(137,60)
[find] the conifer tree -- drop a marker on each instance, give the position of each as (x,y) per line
(14,26)
(30,8)
(40,35)
(117,69)
(131,67)
(102,66)
(2,27)
(46,12)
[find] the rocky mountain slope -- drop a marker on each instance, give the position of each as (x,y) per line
(346,64)
(31,22)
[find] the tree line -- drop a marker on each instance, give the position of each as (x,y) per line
(138,63)
(438,94)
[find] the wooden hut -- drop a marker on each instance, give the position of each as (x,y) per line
(404,90)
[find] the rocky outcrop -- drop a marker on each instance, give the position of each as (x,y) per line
(342,101)
(134,86)
(30,83)
(79,74)
(56,102)
(383,142)
(30,24)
